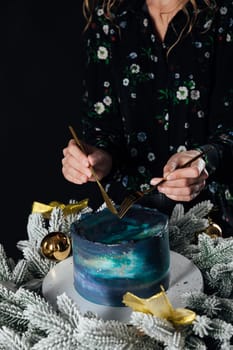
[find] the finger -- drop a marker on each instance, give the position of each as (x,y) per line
(74,170)
(179,198)
(74,176)
(183,193)
(155,180)
(169,168)
(178,161)
(70,162)
(184,182)
(193,171)
(77,153)
(64,151)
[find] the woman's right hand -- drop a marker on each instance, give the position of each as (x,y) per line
(76,165)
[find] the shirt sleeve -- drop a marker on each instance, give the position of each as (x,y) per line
(220,155)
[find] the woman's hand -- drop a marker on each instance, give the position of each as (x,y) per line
(183,184)
(76,165)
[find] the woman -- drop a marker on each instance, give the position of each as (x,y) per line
(158,90)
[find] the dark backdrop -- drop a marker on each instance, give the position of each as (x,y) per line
(43,83)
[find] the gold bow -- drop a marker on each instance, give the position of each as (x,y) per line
(159,305)
(67,209)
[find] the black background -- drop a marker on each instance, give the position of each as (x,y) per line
(42,74)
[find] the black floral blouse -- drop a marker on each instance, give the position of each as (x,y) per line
(146,99)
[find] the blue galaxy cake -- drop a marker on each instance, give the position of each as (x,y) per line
(112,256)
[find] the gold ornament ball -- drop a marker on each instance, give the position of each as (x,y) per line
(56,246)
(213,230)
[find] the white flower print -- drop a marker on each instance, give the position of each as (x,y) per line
(133,55)
(141,169)
(133,95)
(227,194)
(100,12)
(195,94)
(192,84)
(106,84)
(154,58)
(107,100)
(151,156)
(198,44)
(200,114)
(151,75)
(134,68)
(181,148)
(144,187)
(99,107)
(125,181)
(208,24)
(186,125)
(123,24)
(220,30)
(166,126)
(228,38)
(97,35)
(223,10)
(107,187)
(141,136)
(102,53)
(177,75)
(133,152)
(145,22)
(182,93)
(126,82)
(152,38)
(106,28)
(207,54)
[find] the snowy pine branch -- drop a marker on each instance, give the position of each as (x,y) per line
(28,321)
(183,227)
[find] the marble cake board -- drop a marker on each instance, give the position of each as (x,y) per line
(184,277)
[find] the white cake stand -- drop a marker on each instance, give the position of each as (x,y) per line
(184,277)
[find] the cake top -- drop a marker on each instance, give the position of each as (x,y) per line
(105,227)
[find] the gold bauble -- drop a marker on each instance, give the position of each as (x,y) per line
(56,246)
(213,230)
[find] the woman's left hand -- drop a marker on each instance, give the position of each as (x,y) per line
(184,184)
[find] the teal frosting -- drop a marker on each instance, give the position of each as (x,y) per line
(112,256)
(109,229)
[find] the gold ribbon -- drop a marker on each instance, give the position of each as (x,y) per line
(67,209)
(159,305)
